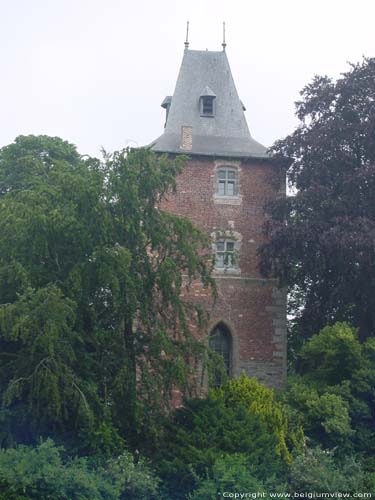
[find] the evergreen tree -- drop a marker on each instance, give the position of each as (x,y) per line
(94,329)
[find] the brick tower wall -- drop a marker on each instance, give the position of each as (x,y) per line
(253,308)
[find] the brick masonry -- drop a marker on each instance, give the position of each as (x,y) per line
(253,308)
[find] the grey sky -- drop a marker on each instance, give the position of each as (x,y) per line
(94,72)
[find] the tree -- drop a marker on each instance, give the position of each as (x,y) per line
(316,470)
(94,327)
(230,473)
(260,401)
(333,395)
(240,417)
(44,472)
(322,240)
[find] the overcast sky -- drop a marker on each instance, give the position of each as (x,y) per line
(94,72)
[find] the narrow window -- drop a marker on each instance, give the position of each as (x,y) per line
(207,106)
(220,341)
(227,182)
(224,257)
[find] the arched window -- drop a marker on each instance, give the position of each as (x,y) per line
(220,341)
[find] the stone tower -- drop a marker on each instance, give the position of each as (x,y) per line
(223,190)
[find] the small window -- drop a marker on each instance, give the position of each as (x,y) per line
(207,106)
(227,182)
(220,342)
(224,257)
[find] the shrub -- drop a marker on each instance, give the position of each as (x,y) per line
(230,473)
(40,473)
(316,470)
(334,397)
(133,480)
(324,417)
(260,401)
(223,423)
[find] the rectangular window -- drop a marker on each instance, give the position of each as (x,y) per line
(227,182)
(207,106)
(224,254)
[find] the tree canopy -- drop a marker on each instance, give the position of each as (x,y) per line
(322,240)
(94,327)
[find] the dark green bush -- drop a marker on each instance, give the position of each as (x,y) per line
(203,431)
(230,473)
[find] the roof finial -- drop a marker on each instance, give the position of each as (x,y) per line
(224,43)
(187,36)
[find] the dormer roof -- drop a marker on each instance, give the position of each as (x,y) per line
(166,102)
(207,74)
(207,92)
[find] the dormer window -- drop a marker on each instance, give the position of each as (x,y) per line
(207,102)
(207,106)
(166,104)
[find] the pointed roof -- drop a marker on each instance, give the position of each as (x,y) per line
(224,134)
(207,92)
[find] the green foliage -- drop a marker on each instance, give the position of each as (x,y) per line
(205,429)
(216,369)
(240,417)
(259,400)
(333,398)
(316,470)
(40,373)
(230,473)
(332,355)
(324,416)
(133,480)
(41,473)
(94,327)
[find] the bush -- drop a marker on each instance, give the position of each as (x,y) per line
(204,430)
(230,473)
(324,417)
(260,401)
(133,480)
(40,473)
(316,470)
(334,395)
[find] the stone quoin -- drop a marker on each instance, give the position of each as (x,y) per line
(224,189)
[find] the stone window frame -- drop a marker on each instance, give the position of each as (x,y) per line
(226,199)
(225,254)
(227,181)
(228,236)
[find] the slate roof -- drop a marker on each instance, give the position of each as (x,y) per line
(225,134)
(207,92)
